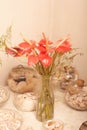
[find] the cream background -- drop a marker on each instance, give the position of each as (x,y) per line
(54,17)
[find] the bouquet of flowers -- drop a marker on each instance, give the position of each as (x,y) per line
(44,56)
(47,58)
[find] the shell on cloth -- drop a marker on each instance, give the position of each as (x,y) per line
(10,120)
(25,102)
(53,125)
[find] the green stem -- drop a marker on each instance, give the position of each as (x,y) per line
(53,63)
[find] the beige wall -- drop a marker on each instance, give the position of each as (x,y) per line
(54,17)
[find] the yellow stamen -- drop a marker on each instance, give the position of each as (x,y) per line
(46,40)
(25,39)
(62,41)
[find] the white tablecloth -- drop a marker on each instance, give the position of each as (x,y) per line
(72,118)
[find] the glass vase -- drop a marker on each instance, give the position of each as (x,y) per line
(45,103)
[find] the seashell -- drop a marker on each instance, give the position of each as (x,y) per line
(80,82)
(4,95)
(83,126)
(25,102)
(77,101)
(10,120)
(53,125)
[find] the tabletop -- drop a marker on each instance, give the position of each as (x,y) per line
(71,118)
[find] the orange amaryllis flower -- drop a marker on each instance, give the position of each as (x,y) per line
(64,47)
(14,51)
(42,49)
(45,59)
(32,59)
(44,42)
(27,46)
(44,46)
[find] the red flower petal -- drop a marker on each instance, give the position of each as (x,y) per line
(64,47)
(45,59)
(27,46)
(32,59)
(42,49)
(43,42)
(20,51)
(11,51)
(24,45)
